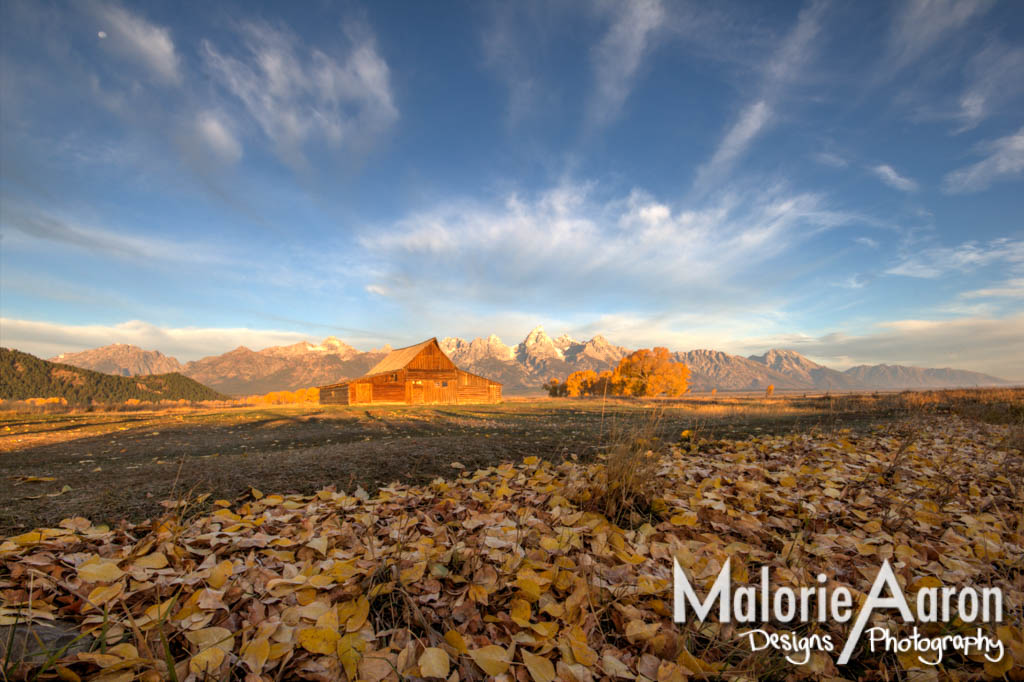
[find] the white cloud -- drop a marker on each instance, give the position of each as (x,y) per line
(1011,288)
(137,38)
(993,77)
(47,339)
(830,159)
(567,244)
(889,176)
(1005,160)
(785,67)
(216,135)
(981,344)
(753,119)
(298,95)
(618,56)
(922,24)
(935,262)
(867,241)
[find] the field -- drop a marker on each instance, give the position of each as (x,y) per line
(279,548)
(165,455)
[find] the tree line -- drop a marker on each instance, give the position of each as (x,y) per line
(646,372)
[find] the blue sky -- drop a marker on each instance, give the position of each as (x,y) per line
(840,178)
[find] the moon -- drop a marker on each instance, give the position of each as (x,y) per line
(102,35)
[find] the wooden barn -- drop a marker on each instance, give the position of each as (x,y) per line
(416,375)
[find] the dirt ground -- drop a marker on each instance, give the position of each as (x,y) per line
(113,466)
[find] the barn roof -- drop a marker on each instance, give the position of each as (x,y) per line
(399,358)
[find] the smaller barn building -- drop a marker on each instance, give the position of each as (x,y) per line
(416,375)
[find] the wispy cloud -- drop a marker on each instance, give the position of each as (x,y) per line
(830,159)
(993,77)
(216,135)
(506,55)
(618,56)
(789,60)
(1011,288)
(40,225)
(889,176)
(978,343)
(867,241)
(920,25)
(712,245)
(935,262)
(1005,159)
(297,95)
(137,38)
(47,339)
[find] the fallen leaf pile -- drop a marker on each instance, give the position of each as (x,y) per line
(504,573)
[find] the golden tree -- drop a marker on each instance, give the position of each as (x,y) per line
(580,383)
(650,372)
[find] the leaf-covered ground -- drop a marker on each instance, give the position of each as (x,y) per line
(506,573)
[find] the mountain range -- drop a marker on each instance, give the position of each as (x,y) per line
(522,368)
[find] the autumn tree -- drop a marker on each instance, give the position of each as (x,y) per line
(555,388)
(651,372)
(768,391)
(580,383)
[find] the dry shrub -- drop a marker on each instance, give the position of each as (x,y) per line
(624,488)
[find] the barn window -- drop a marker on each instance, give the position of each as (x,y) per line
(444,384)
(417,383)
(393,377)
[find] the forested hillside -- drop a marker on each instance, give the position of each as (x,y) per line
(25,376)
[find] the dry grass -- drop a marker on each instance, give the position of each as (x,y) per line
(624,489)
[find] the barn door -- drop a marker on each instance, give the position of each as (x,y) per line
(364,393)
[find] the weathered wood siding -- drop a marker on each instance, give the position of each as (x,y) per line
(334,395)
(431,358)
(429,377)
(476,389)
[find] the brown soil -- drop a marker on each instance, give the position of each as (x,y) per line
(122,465)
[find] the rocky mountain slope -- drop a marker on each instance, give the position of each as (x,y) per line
(122,359)
(522,368)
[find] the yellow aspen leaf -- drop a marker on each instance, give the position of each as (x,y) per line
(519,612)
(319,640)
(412,574)
(101,571)
(358,618)
(103,594)
(154,560)
(207,662)
(529,588)
(159,611)
(1000,667)
(256,653)
(478,593)
(125,650)
(492,659)
(787,481)
(434,662)
(220,574)
(219,637)
(639,631)
(615,668)
(456,641)
(540,668)
(328,619)
(67,674)
(865,549)
(581,651)
(684,519)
